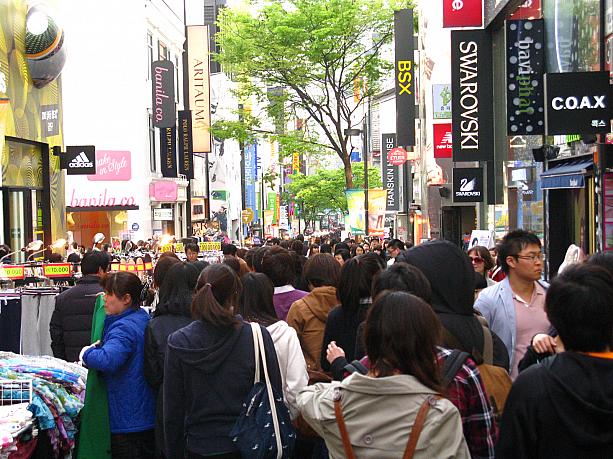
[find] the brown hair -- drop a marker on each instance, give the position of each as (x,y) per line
(123,283)
(484,253)
(218,290)
(401,333)
(277,264)
(162,267)
(322,269)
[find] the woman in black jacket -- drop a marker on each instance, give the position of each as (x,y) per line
(210,369)
(172,313)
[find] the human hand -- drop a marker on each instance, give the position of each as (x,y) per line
(543,343)
(334,352)
(84,350)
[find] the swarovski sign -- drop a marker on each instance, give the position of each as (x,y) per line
(472,109)
(468,184)
(578,103)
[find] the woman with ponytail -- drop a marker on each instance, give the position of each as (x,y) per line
(209,370)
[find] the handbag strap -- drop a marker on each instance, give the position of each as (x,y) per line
(256,350)
(342,427)
(271,395)
(418,425)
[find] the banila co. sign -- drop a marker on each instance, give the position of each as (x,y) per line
(471,95)
(163,94)
(578,103)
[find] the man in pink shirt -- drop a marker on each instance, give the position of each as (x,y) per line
(514,308)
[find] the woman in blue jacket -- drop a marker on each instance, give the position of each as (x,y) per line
(119,357)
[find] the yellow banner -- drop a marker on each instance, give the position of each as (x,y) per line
(209,246)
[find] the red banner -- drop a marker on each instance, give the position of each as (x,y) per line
(462,13)
(443,145)
(530,9)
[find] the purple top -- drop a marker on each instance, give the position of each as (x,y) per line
(283,299)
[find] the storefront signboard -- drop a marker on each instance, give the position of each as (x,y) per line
(163,93)
(578,103)
(160,214)
(468,184)
(404,74)
(390,174)
(112,166)
(168,152)
(472,95)
(530,9)
(198,72)
(251,174)
(525,41)
(441,99)
(80,160)
(462,13)
(443,143)
(186,152)
(163,191)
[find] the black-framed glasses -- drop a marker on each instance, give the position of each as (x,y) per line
(533,257)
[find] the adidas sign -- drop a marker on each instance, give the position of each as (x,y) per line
(80,161)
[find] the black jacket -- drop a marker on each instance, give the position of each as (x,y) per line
(342,328)
(156,337)
(562,408)
(208,373)
(71,322)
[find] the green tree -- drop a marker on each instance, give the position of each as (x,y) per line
(324,191)
(320,57)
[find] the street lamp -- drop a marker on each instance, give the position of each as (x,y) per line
(364,132)
(58,244)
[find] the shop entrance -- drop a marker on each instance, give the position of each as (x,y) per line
(456,221)
(84,225)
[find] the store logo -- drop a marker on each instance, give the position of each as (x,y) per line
(81,161)
(573,103)
(465,185)
(468,185)
(469,102)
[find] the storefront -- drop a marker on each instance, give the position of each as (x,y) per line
(168,199)
(32,185)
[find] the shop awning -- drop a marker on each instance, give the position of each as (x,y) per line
(566,175)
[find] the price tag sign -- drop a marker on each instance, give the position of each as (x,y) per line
(149,266)
(179,247)
(167,248)
(57,270)
(12,272)
(114,266)
(209,246)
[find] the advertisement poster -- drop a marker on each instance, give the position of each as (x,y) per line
(355,206)
(441,99)
(376,212)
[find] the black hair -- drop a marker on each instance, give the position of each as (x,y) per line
(513,243)
(258,255)
(177,290)
(162,267)
(579,304)
(192,247)
(218,290)
(94,261)
(123,283)
(402,277)
(356,280)
(229,249)
(325,248)
(233,263)
(396,244)
(344,253)
(603,259)
(255,303)
(277,264)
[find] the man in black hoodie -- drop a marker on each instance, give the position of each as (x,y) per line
(563,407)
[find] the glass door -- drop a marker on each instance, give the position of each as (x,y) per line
(17,219)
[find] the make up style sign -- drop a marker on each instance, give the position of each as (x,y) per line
(578,103)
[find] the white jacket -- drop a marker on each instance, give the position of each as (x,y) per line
(292,365)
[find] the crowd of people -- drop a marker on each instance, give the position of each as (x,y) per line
(375,351)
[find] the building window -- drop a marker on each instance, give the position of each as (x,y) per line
(162,51)
(150,54)
(152,149)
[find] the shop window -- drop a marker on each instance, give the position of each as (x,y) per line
(162,51)
(149,54)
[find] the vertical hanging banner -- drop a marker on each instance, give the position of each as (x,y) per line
(390,174)
(168,151)
(198,72)
(251,177)
(525,68)
(355,206)
(376,212)
(404,74)
(186,154)
(472,93)
(462,13)
(163,94)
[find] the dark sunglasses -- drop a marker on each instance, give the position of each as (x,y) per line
(477,259)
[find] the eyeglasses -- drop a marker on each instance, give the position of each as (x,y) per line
(533,257)
(477,260)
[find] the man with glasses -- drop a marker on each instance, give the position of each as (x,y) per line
(515,307)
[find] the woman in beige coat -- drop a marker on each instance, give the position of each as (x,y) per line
(380,409)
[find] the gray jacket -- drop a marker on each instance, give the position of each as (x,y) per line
(496,305)
(379,413)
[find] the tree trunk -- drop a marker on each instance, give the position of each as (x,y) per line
(348,172)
